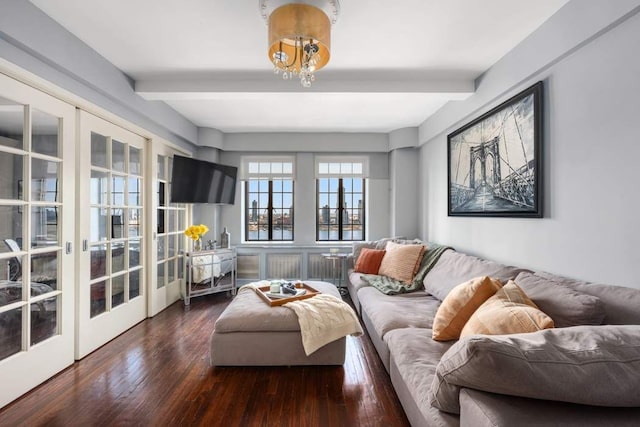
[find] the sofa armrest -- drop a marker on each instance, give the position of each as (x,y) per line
(479,408)
(350,261)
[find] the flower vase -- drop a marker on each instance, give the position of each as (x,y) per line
(197,245)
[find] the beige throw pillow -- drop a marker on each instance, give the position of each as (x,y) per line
(460,304)
(401,262)
(509,311)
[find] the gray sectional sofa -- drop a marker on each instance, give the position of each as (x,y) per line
(585,372)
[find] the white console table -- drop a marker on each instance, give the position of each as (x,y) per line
(210,271)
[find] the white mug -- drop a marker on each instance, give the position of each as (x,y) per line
(275,287)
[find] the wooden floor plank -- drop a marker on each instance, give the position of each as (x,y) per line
(158,373)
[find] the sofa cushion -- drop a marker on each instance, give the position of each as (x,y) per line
(414,357)
(454,268)
(369,261)
(620,303)
(388,312)
(589,365)
(355,283)
(382,243)
(401,262)
(567,307)
(480,409)
(460,304)
(509,311)
(357,248)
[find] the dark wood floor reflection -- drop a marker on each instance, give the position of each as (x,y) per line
(158,373)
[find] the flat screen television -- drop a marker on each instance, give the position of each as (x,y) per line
(198,181)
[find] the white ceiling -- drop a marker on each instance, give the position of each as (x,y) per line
(393,63)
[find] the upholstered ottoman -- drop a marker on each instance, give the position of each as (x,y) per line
(252,333)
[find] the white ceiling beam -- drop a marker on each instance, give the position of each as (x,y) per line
(205,88)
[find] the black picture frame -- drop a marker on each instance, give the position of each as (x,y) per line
(494,163)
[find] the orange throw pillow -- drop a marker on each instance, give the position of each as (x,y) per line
(509,311)
(460,304)
(369,261)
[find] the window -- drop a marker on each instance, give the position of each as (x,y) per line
(340,199)
(268,201)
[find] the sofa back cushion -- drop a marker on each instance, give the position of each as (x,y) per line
(567,307)
(620,303)
(509,311)
(589,365)
(460,304)
(454,268)
(357,248)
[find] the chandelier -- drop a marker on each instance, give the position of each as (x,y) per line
(299,36)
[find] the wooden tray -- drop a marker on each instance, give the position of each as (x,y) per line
(274,302)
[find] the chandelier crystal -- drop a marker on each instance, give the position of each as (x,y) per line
(299,36)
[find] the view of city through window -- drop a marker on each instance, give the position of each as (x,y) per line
(340,209)
(269,213)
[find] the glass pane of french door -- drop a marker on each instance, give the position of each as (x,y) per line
(170,219)
(111,298)
(36,220)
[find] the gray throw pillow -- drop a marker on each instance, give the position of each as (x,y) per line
(589,365)
(567,307)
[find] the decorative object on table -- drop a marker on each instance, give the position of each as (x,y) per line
(211,244)
(495,162)
(195,233)
(264,291)
(299,36)
(275,287)
(225,238)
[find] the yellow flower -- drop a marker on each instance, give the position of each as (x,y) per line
(196,232)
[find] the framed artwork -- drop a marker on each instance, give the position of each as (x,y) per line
(495,161)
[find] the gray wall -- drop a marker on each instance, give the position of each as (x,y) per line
(590,227)
(204,213)
(305,198)
(403,171)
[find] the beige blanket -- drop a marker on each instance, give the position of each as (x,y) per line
(323,319)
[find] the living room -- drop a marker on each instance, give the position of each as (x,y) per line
(396,125)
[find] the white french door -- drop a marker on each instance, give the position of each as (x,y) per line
(110,260)
(168,224)
(36,230)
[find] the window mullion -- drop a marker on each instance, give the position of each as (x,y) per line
(270,211)
(248,211)
(318,207)
(340,204)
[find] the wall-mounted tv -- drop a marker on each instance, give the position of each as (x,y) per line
(198,181)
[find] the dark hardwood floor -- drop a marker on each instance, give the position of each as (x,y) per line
(158,373)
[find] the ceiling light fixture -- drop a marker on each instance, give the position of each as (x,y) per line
(299,36)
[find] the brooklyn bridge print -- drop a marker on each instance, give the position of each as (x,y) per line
(494,161)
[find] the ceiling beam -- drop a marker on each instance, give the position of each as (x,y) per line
(200,87)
